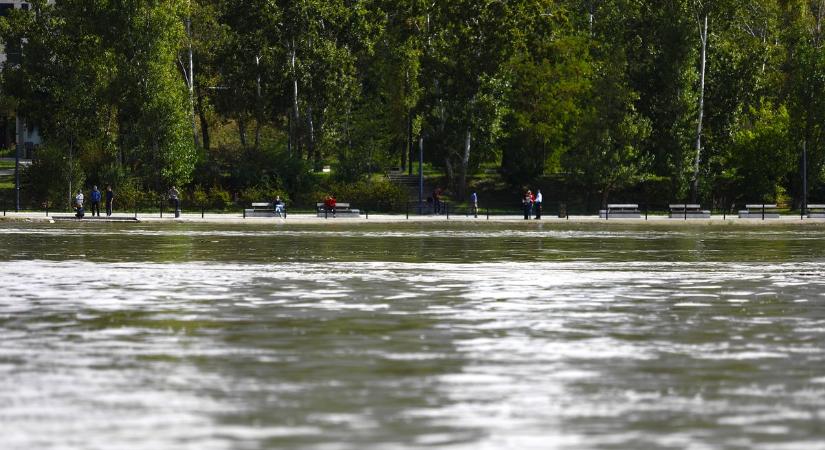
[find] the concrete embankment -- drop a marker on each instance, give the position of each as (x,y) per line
(310,219)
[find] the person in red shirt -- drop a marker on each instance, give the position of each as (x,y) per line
(329,203)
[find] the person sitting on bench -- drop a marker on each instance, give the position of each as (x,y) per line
(279,206)
(329,204)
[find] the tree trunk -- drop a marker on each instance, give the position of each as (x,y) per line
(242,129)
(296,114)
(204,122)
(465,163)
(258,105)
(694,190)
(410,143)
(311,129)
(450,172)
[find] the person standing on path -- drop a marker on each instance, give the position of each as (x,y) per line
(110,198)
(538,204)
(474,203)
(174,196)
(95,197)
(527,204)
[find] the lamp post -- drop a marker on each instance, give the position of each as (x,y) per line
(19,123)
(804,176)
(420,173)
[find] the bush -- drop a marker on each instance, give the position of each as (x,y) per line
(128,195)
(219,198)
(200,197)
(261,194)
(47,179)
(375,196)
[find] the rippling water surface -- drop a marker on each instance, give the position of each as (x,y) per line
(456,336)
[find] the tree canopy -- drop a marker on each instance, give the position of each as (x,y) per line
(715,98)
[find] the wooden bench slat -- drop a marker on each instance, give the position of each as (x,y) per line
(759,206)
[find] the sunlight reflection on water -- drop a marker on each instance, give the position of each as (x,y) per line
(487,353)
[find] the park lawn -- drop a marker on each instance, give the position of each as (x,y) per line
(6,165)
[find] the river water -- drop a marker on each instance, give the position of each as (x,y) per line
(459,336)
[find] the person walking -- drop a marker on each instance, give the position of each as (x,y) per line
(110,198)
(95,196)
(474,203)
(527,204)
(538,204)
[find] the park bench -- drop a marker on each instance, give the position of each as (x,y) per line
(816,211)
(759,211)
(620,211)
(88,218)
(688,211)
(262,209)
(341,210)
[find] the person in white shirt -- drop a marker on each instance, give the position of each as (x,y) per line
(78,205)
(538,204)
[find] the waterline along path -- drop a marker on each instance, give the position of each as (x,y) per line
(421,335)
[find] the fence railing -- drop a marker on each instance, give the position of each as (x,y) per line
(446,209)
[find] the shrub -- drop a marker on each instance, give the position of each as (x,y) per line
(219,198)
(47,179)
(200,197)
(261,194)
(375,196)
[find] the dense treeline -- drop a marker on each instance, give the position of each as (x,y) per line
(695,100)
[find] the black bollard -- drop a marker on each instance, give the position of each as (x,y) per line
(408,210)
(763,211)
(203,211)
(161,210)
(488,213)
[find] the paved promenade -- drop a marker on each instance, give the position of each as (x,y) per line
(299,219)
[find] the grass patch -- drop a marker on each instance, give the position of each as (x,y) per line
(6,164)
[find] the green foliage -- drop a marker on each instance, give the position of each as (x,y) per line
(762,153)
(371,196)
(219,198)
(254,194)
(604,94)
(49,176)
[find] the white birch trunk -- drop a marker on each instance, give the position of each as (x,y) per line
(703,35)
(465,162)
